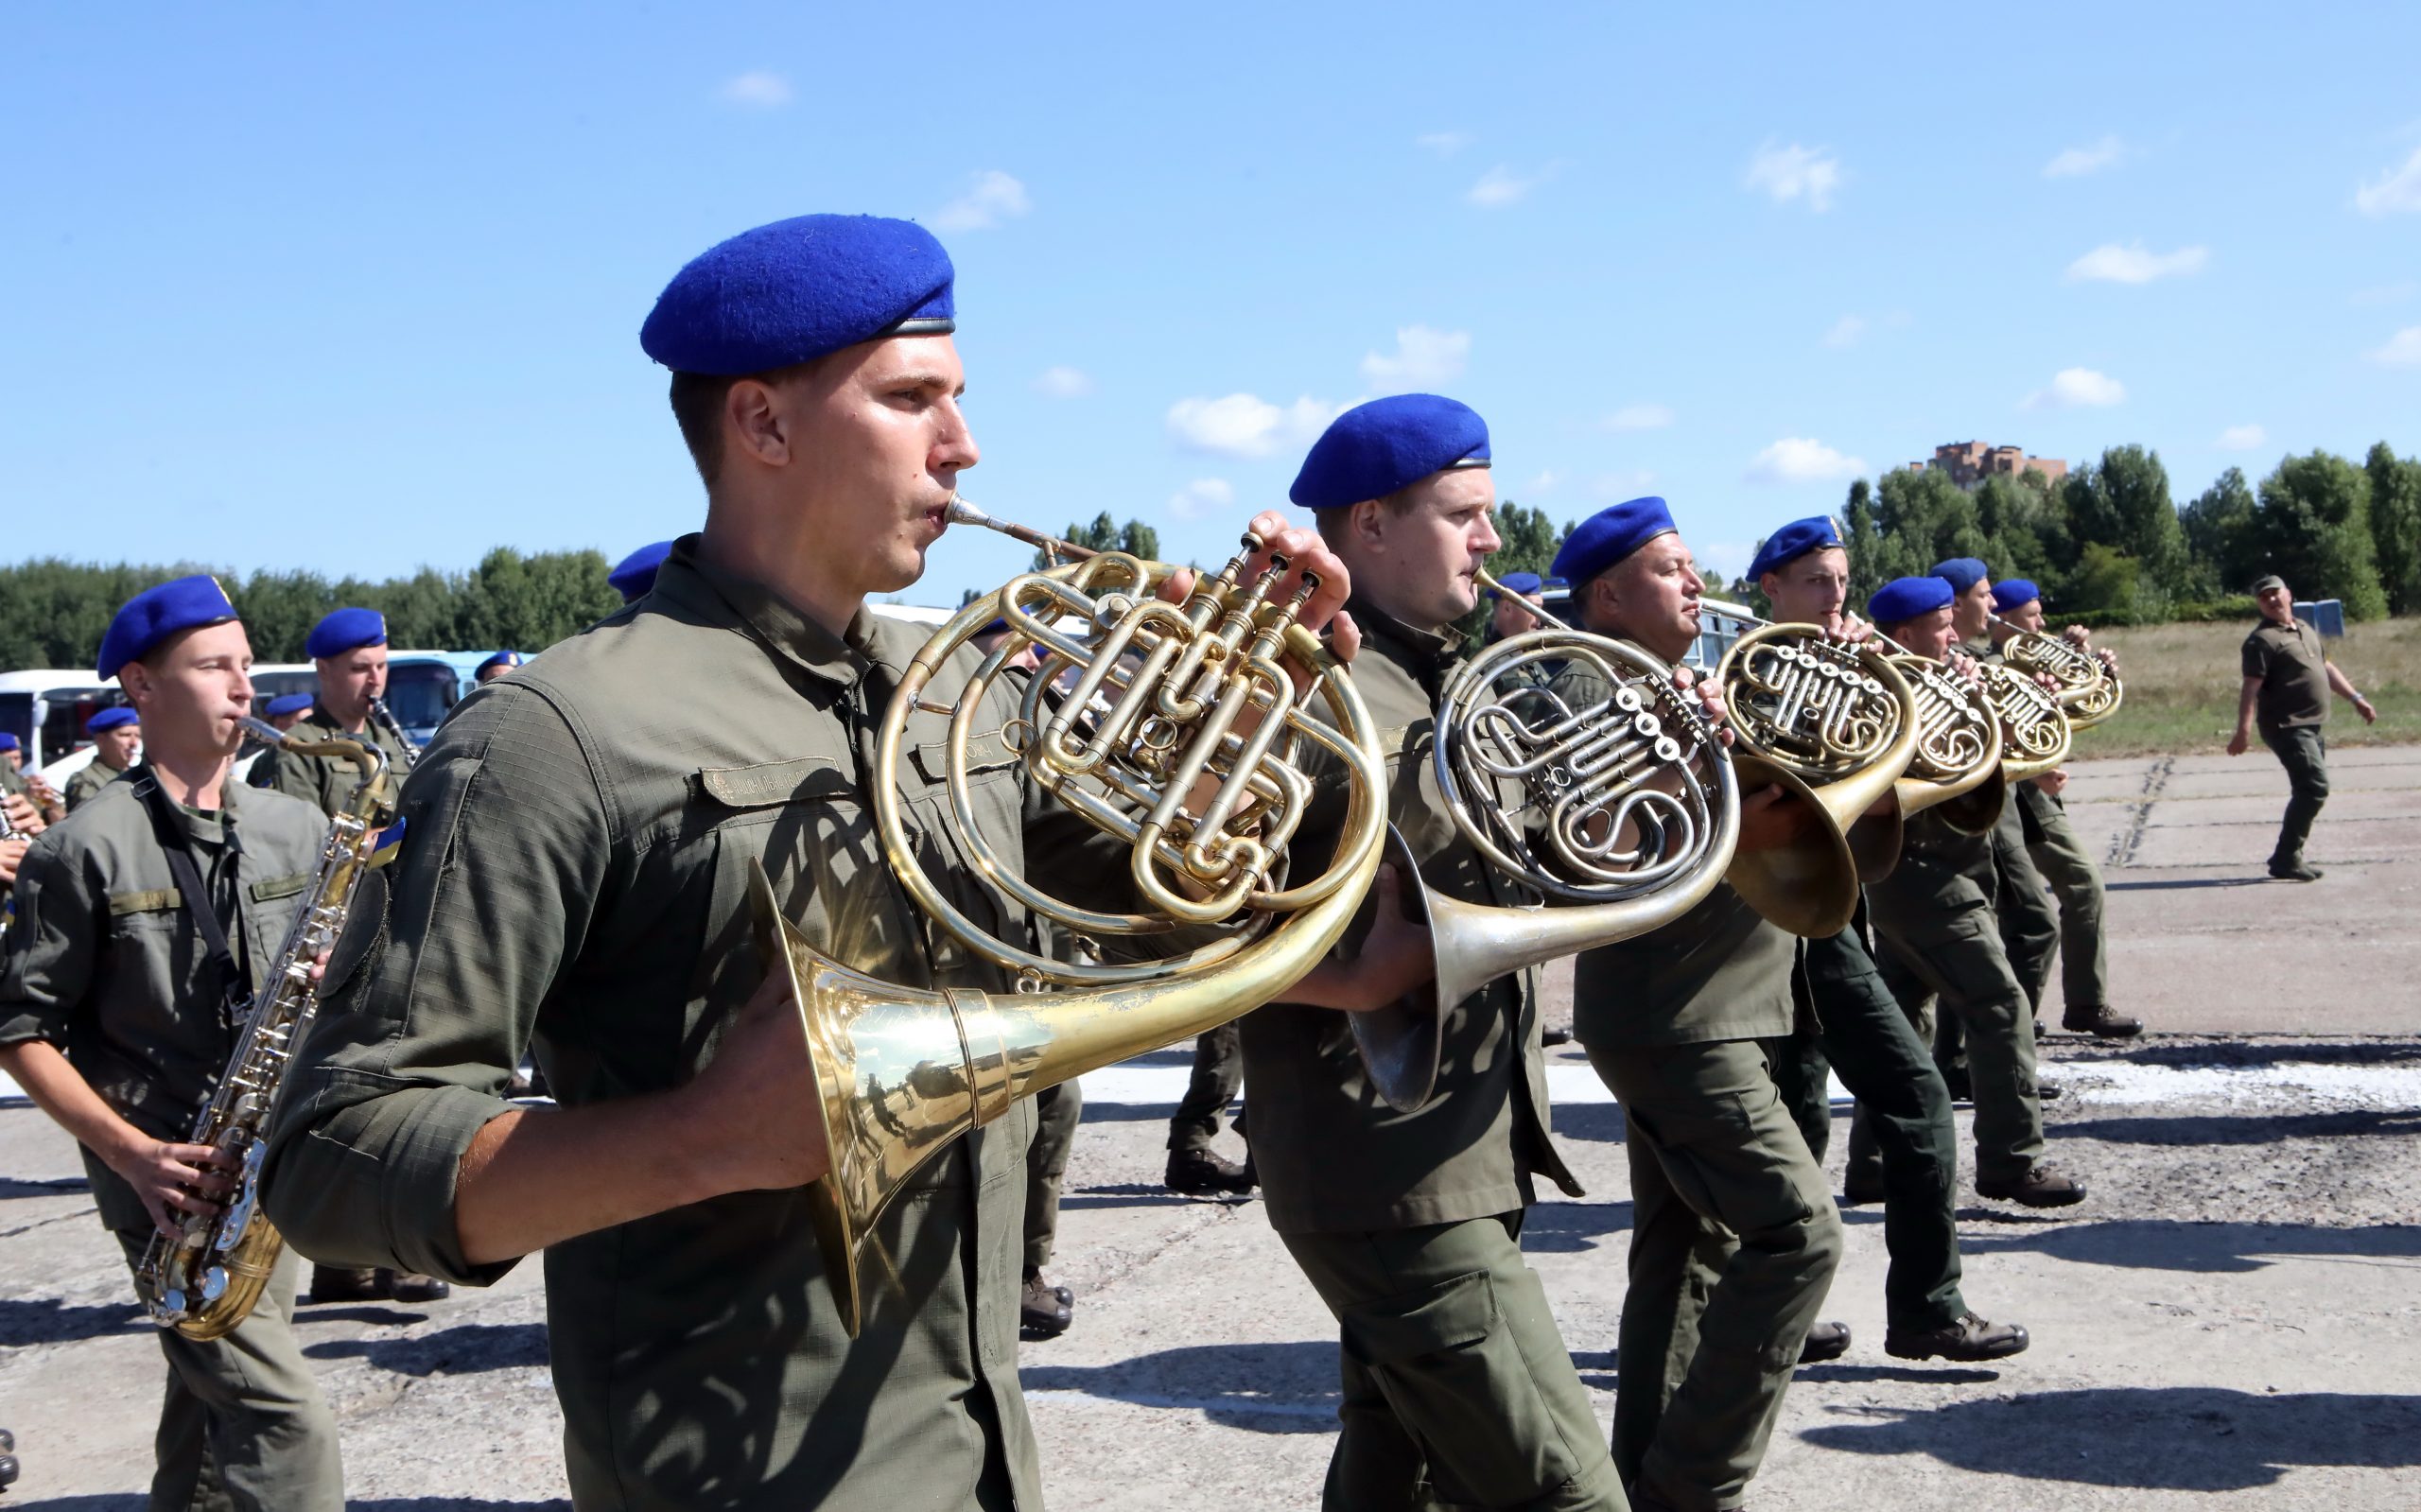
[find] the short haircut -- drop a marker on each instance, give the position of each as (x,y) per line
(1398,503)
(697,406)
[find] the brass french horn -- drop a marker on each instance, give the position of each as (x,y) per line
(2088,689)
(1156,720)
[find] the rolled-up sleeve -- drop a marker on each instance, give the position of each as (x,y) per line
(435,989)
(51,947)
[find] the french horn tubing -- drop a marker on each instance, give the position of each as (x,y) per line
(2089,690)
(1170,701)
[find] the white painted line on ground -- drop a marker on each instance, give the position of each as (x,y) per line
(2369,1087)
(1249,1406)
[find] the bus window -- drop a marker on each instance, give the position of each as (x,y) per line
(419,693)
(17,718)
(268,685)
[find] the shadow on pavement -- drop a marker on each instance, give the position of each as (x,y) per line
(1262,1388)
(454,1351)
(1136,1194)
(1128,1113)
(2250,1128)
(56,1187)
(2184,882)
(2165,1245)
(47,1320)
(2181,1438)
(1599,1121)
(1921,1374)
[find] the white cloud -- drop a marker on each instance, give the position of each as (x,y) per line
(2403,349)
(2114,264)
(1803,460)
(1795,172)
(2077,389)
(2398,189)
(991,198)
(758,88)
(1547,481)
(1725,559)
(1445,144)
(1203,497)
(1063,383)
(1637,417)
(2079,161)
(1501,186)
(1424,359)
(2242,437)
(1846,331)
(1244,425)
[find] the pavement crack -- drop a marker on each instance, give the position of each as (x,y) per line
(2124,845)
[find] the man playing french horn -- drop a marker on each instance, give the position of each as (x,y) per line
(1456,1389)
(583,846)
(1734,1234)
(1903,1148)
(144,922)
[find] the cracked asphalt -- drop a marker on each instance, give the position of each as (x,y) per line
(2230,1320)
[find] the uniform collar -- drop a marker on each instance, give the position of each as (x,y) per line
(723,598)
(1430,652)
(210,829)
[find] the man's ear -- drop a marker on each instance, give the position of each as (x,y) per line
(1368,522)
(753,424)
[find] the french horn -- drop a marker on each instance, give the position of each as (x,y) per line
(1183,737)
(2089,690)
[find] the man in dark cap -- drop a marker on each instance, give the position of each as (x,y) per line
(1936,917)
(143,927)
(117,734)
(1860,1030)
(2288,678)
(1458,1389)
(573,878)
(2052,844)
(1734,1234)
(348,647)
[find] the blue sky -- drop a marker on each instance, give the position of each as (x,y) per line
(357,292)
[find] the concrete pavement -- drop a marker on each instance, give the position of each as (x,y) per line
(2232,1320)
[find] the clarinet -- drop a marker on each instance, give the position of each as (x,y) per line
(204,1281)
(386,720)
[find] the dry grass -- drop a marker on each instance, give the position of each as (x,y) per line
(2181,683)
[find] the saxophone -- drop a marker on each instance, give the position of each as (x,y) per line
(204,1281)
(383,716)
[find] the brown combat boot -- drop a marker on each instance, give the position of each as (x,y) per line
(1043,1310)
(1970,1339)
(2041,1186)
(2101,1022)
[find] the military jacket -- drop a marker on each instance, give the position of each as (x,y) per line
(89,779)
(1719,971)
(11,780)
(2293,668)
(1940,848)
(323,780)
(104,961)
(573,878)
(1332,1157)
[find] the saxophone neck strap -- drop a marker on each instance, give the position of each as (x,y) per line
(200,905)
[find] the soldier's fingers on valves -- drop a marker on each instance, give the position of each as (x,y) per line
(1306,554)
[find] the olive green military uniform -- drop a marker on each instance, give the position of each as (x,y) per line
(89,779)
(1458,1389)
(2289,710)
(1735,1237)
(2059,857)
(12,782)
(323,780)
(573,880)
(1057,1110)
(105,963)
(1218,1073)
(1904,1141)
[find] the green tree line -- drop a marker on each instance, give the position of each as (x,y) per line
(52,612)
(2110,538)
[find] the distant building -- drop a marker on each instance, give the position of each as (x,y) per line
(1970,463)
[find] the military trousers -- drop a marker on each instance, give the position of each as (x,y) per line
(1942,938)
(1218,1073)
(2059,855)
(1057,1110)
(1458,1391)
(2304,751)
(243,1427)
(1734,1242)
(1901,1138)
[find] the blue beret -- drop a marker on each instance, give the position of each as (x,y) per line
(634,574)
(1519,582)
(345,629)
(1610,535)
(1907,597)
(9,742)
(502,658)
(1373,450)
(796,290)
(110,719)
(1793,541)
(284,703)
(155,613)
(2011,593)
(1962,573)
